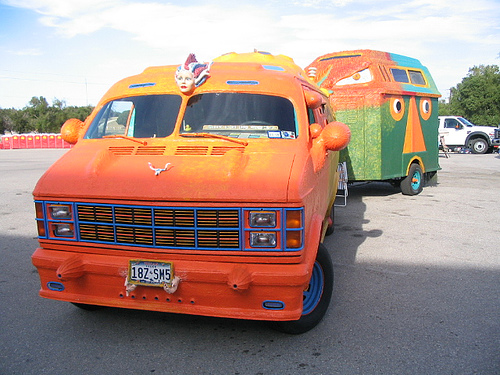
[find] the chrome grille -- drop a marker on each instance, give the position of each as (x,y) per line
(171,227)
(94,232)
(131,215)
(103,214)
(175,238)
(174,218)
(216,218)
(218,238)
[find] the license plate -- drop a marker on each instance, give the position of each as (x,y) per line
(150,273)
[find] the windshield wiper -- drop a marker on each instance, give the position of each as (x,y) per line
(218,136)
(144,143)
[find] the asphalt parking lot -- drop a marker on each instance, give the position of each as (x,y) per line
(417,291)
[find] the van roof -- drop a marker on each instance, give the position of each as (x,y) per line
(247,71)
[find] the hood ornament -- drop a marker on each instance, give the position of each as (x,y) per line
(159,170)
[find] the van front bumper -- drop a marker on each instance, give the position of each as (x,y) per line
(257,291)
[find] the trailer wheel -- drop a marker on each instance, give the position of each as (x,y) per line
(316,297)
(414,182)
(478,146)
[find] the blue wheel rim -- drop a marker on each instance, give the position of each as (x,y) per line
(313,294)
(415,181)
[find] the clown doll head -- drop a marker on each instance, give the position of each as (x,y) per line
(191,74)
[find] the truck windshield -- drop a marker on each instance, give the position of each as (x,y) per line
(240,115)
(145,116)
(465,122)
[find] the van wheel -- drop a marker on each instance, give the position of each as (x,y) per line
(478,146)
(316,297)
(414,182)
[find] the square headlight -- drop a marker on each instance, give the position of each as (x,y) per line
(63,230)
(262,219)
(263,239)
(60,211)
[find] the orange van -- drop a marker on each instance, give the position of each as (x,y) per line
(212,200)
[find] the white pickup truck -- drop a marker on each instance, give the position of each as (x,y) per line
(459,132)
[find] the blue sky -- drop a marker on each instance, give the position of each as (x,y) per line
(74,51)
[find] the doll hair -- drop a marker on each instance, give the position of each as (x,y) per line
(201,71)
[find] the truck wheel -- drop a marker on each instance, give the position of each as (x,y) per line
(414,182)
(478,146)
(316,297)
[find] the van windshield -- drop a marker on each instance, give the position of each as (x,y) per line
(147,116)
(240,115)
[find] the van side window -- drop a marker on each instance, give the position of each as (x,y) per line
(320,115)
(310,116)
(329,114)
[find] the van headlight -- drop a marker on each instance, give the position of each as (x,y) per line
(60,211)
(263,239)
(63,230)
(262,219)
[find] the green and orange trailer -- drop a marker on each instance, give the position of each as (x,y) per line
(390,103)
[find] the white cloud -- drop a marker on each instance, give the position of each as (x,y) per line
(414,24)
(26,52)
(447,36)
(322,3)
(63,8)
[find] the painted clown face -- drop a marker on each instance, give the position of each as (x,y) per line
(185,81)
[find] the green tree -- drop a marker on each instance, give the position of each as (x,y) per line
(6,120)
(39,116)
(445,109)
(22,122)
(477,97)
(80,113)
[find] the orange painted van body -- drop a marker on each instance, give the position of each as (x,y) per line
(234,219)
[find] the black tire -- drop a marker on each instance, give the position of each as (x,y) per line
(316,298)
(87,307)
(330,229)
(414,182)
(478,146)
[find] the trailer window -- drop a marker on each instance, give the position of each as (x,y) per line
(400,75)
(416,77)
(240,115)
(145,116)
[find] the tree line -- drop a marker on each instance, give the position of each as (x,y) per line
(476,98)
(40,117)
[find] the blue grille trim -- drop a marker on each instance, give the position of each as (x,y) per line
(182,228)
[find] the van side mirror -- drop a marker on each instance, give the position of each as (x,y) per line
(336,136)
(70,131)
(313,99)
(315,130)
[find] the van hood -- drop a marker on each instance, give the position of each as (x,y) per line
(118,173)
